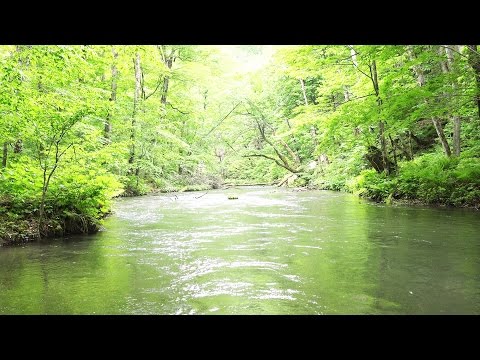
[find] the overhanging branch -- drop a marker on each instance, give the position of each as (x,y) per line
(174,108)
(218,124)
(275,160)
(160,78)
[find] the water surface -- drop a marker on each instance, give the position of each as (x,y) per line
(271,251)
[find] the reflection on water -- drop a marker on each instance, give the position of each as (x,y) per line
(272,251)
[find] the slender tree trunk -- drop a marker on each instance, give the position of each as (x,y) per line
(421,82)
(441,136)
(353,55)
(456,119)
(46,184)
(449,52)
(288,123)
(47,178)
(456,135)
(166,80)
(443,63)
(5,154)
(293,154)
(375,82)
(381,124)
(394,148)
(23,64)
(313,133)
(410,145)
(283,162)
(302,83)
(113,95)
(474,61)
(136,100)
(205,94)
(346,93)
(41,210)
(417,69)
(383,144)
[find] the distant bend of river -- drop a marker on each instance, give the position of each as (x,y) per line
(271,251)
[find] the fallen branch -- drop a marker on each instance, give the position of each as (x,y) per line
(286,178)
(235,186)
(198,197)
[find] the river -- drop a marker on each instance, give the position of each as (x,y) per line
(271,251)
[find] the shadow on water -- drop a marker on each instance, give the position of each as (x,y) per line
(273,251)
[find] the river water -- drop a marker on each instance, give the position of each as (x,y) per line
(271,251)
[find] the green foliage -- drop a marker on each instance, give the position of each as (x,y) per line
(134,186)
(84,192)
(74,136)
(431,178)
(21,182)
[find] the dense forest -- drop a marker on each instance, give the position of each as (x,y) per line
(80,125)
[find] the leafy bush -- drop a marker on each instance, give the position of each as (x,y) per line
(88,193)
(431,178)
(134,186)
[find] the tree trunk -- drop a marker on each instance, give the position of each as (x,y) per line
(136,100)
(5,154)
(18,146)
(279,154)
(302,83)
(449,52)
(23,63)
(381,124)
(293,154)
(441,136)
(313,133)
(394,148)
(456,119)
(166,79)
(456,135)
(410,146)
(205,94)
(346,93)
(416,68)
(443,63)
(383,143)
(282,160)
(46,180)
(421,82)
(474,61)
(353,54)
(375,81)
(113,95)
(46,184)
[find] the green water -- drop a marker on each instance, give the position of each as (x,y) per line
(271,251)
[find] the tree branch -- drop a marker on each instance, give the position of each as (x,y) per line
(273,159)
(223,119)
(356,98)
(160,78)
(174,108)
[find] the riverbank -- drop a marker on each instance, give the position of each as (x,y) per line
(390,194)
(430,179)
(17,229)
(21,225)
